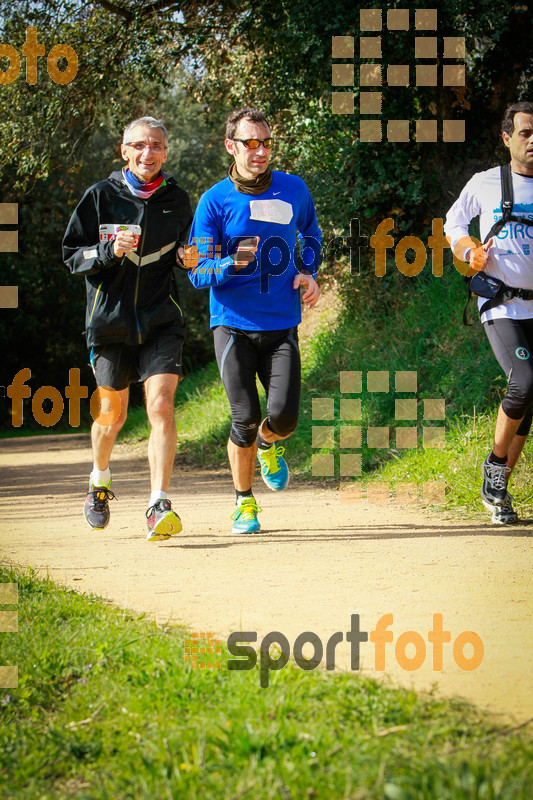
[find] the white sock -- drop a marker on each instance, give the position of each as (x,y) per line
(158,494)
(100,477)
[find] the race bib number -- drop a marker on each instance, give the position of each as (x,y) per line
(109,230)
(277,211)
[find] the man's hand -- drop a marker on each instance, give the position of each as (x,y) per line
(187,257)
(310,296)
(124,242)
(478,257)
(245,252)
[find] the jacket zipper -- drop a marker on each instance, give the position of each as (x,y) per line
(140,248)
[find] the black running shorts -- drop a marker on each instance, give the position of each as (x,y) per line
(117,365)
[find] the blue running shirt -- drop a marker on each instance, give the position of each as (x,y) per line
(260,297)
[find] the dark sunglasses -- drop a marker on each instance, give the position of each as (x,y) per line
(253,144)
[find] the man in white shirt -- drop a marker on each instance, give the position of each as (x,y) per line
(508,324)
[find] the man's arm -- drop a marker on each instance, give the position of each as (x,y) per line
(309,235)
(466,247)
(207,267)
(183,234)
(309,240)
(83,252)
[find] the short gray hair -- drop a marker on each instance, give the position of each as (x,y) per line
(149,122)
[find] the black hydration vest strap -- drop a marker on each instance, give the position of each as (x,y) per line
(507,204)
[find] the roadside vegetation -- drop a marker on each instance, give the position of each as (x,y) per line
(107,707)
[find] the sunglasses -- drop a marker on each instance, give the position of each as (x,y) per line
(253,144)
(140,146)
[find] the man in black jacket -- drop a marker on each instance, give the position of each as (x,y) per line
(125,237)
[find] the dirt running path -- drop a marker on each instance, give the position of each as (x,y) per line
(316,562)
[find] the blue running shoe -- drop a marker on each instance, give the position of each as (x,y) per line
(245,516)
(274,469)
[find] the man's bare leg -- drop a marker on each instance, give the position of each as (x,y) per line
(96,508)
(274,469)
(268,435)
(159,392)
(507,445)
(515,448)
(103,436)
(505,430)
(242,463)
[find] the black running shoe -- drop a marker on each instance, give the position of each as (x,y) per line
(96,508)
(162,521)
(494,488)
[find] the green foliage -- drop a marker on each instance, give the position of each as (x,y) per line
(107,707)
(278,56)
(49,124)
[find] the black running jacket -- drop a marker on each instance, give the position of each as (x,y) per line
(128,298)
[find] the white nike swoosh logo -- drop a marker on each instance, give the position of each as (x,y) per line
(167,211)
(275,193)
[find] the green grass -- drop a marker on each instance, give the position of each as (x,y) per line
(387,324)
(108,708)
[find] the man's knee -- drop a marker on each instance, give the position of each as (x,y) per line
(160,406)
(519,399)
(282,423)
(244,433)
(109,408)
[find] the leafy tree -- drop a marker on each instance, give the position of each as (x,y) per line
(278,55)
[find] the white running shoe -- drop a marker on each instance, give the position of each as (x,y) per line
(503,515)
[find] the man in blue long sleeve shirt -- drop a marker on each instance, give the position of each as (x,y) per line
(255,240)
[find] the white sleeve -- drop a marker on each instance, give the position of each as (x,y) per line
(466,207)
